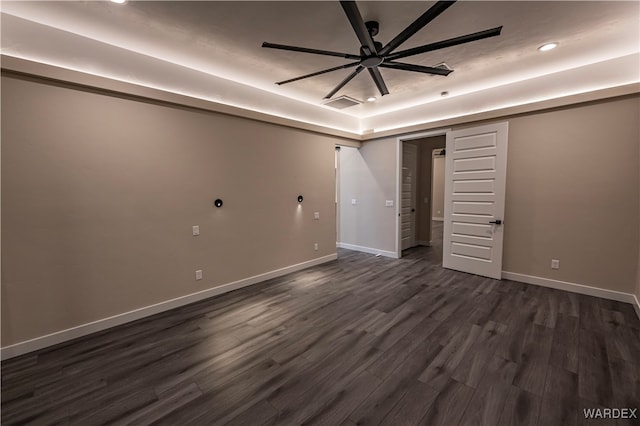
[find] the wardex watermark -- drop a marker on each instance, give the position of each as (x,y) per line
(610,413)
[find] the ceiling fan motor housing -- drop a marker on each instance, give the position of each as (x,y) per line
(373,27)
(371,60)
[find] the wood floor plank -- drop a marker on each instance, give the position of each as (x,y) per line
(533,359)
(473,366)
(395,383)
(343,401)
(594,376)
(449,406)
(625,378)
(161,407)
(259,414)
(413,405)
(623,342)
(560,399)
(395,356)
(490,396)
(438,373)
(564,348)
(522,408)
(591,314)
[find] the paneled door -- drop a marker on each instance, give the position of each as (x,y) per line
(408,210)
(476,168)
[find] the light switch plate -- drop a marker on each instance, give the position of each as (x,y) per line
(196,230)
(354,201)
(388,203)
(316,215)
(198,274)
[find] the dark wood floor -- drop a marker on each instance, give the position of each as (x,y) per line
(361,340)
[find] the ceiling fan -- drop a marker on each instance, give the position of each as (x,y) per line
(373,55)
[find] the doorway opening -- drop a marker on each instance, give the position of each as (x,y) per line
(438,166)
(416,230)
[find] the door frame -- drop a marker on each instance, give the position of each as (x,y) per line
(399,141)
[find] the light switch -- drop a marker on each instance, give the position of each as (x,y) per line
(316,215)
(388,203)
(196,230)
(354,201)
(198,274)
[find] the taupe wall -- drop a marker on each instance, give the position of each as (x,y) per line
(99,195)
(573,193)
(368,175)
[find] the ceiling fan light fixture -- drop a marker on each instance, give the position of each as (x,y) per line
(548,46)
(371,99)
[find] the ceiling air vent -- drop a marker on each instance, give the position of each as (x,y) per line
(342,102)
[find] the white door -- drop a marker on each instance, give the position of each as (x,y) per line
(474,199)
(408,212)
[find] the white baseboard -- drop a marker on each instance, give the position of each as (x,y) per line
(574,288)
(438,219)
(95,326)
(636,305)
(368,250)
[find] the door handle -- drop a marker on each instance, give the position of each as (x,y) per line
(497,222)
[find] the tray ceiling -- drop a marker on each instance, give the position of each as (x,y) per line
(212,50)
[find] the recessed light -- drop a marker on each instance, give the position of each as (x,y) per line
(548,46)
(119,1)
(371,99)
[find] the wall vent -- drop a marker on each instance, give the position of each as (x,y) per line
(342,102)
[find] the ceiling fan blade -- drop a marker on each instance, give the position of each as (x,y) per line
(352,12)
(307,50)
(344,82)
(377,78)
(416,68)
(416,26)
(341,67)
(446,43)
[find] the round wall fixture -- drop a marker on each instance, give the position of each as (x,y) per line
(218,203)
(300,198)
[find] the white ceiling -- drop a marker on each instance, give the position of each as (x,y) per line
(212,50)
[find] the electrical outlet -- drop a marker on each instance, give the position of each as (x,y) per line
(315,246)
(198,274)
(354,201)
(388,203)
(196,230)
(555,264)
